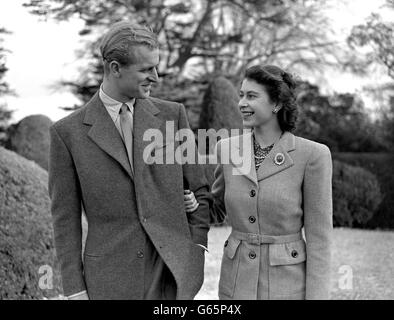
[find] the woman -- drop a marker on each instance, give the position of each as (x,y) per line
(287,189)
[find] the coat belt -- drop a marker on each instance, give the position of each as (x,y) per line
(254,238)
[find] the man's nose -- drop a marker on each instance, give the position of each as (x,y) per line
(153,77)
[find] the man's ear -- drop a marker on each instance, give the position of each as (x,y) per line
(114,68)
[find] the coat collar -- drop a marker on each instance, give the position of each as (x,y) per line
(272,164)
(104,133)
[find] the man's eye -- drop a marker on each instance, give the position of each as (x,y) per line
(251,96)
(149,70)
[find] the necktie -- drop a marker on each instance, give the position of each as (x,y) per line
(127,133)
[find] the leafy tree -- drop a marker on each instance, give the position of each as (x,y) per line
(386,118)
(5,114)
(376,36)
(215,36)
(339,121)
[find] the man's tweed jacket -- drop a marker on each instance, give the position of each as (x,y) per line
(89,169)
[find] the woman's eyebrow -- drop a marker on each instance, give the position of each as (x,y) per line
(249,92)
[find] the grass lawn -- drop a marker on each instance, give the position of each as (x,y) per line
(365,256)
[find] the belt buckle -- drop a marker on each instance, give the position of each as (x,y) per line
(253,238)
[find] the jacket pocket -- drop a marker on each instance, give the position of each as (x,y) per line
(287,268)
(92,255)
(157,154)
(229,267)
(287,253)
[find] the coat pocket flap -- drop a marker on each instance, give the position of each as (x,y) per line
(159,153)
(287,253)
(231,246)
(164,144)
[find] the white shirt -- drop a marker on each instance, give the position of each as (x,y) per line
(113,107)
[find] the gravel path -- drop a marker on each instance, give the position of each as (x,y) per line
(362,267)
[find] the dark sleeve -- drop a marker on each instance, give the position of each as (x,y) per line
(194,179)
(218,209)
(64,191)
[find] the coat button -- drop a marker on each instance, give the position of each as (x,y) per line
(252,193)
(140,254)
(252,255)
(144,220)
(226,243)
(294,254)
(252,219)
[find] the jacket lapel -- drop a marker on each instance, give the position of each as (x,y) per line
(273,164)
(144,119)
(104,133)
(243,145)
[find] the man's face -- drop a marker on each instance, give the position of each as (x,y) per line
(135,80)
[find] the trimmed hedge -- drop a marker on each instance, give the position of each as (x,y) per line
(26,236)
(219,109)
(30,139)
(356,195)
(382,165)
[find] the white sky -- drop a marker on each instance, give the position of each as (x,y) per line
(43,53)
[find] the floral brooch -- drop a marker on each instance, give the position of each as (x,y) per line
(279,159)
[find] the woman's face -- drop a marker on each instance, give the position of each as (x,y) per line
(255,104)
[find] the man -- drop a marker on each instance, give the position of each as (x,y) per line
(140,243)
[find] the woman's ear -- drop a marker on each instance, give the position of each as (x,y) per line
(276,108)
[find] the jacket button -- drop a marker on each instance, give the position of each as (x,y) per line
(226,243)
(140,254)
(294,254)
(252,193)
(144,220)
(252,255)
(252,219)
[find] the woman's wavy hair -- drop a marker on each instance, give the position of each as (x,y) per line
(280,86)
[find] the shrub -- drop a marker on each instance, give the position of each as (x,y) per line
(381,164)
(30,139)
(26,237)
(219,109)
(356,195)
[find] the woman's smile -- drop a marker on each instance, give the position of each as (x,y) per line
(246,113)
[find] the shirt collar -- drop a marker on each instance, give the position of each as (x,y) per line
(113,106)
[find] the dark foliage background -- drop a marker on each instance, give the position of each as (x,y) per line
(382,166)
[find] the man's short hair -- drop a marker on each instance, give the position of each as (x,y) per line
(116,43)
